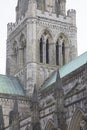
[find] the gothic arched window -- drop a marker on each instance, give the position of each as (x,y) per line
(57,53)
(63,52)
(47,51)
(41,50)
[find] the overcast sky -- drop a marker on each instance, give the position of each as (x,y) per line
(7,14)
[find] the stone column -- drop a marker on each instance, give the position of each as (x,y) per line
(52,54)
(31,55)
(44,52)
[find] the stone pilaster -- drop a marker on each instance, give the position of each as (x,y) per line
(44,52)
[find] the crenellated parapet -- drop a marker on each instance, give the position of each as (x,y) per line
(70,18)
(72,13)
(12,26)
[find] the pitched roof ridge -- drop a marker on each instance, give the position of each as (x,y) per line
(9,76)
(75,59)
(66,69)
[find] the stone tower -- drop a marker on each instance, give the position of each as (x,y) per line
(43,38)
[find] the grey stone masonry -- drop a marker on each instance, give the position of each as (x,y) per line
(43,38)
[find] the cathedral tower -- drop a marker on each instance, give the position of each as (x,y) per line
(43,38)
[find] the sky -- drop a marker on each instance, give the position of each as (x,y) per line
(7,14)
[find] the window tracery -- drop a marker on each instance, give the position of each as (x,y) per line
(61,50)
(44,47)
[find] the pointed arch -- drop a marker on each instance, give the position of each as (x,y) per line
(49,125)
(76,119)
(43,32)
(45,46)
(63,52)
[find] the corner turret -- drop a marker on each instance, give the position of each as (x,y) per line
(72,13)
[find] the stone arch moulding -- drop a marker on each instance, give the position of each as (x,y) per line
(49,125)
(47,40)
(65,36)
(76,119)
(49,33)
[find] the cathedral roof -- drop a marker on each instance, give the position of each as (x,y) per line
(10,85)
(66,69)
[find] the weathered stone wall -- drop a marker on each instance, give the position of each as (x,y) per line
(7,103)
(75,91)
(23,43)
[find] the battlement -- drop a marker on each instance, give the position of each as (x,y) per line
(53,16)
(72,13)
(12,26)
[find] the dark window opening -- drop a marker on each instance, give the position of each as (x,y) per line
(41,50)
(47,51)
(63,53)
(57,54)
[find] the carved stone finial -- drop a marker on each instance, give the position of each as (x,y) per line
(58,85)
